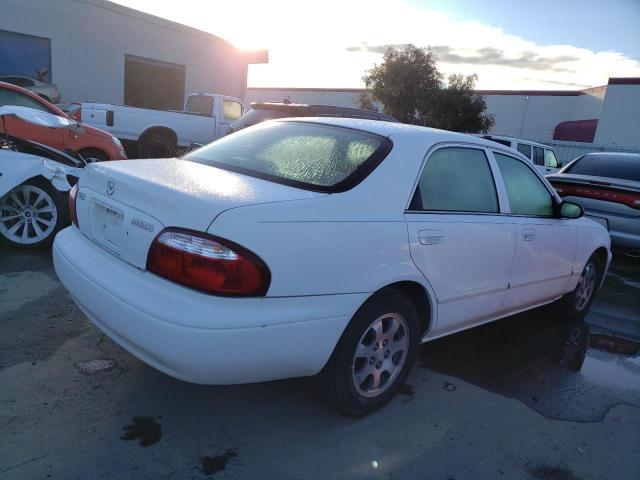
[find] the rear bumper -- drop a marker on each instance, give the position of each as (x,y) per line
(196,337)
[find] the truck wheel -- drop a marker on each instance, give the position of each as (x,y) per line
(156,145)
(92,155)
(374,355)
(31,214)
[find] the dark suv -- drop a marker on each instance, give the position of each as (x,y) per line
(261,112)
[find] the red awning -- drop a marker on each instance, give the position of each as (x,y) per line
(576,130)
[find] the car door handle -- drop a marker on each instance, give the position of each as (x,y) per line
(529,235)
(430,237)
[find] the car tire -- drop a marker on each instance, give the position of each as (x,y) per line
(92,155)
(378,347)
(576,304)
(156,145)
(47,214)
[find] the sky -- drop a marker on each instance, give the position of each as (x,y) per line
(509,44)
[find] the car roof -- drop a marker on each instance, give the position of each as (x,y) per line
(614,154)
(521,140)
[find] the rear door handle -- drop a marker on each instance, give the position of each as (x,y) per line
(430,237)
(529,235)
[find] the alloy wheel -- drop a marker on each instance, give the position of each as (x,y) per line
(380,355)
(28,215)
(586,286)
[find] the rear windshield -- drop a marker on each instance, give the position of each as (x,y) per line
(626,167)
(301,154)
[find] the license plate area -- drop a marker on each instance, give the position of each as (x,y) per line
(107,226)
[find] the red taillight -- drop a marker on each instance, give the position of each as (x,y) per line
(208,263)
(608,194)
(73,213)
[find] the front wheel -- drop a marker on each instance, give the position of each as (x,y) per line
(31,214)
(374,355)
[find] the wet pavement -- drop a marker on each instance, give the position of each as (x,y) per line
(526,397)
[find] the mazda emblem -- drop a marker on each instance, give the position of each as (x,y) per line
(111,187)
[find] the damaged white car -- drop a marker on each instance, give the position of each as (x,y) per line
(34,181)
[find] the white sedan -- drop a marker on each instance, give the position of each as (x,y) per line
(327,246)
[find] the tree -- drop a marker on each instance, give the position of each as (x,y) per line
(365,101)
(412,89)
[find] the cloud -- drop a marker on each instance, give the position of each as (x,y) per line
(485,56)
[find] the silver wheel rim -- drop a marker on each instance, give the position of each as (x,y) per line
(380,355)
(586,286)
(28,215)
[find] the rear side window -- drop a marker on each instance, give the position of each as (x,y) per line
(456,179)
(305,155)
(200,104)
(538,155)
(9,97)
(525,149)
(527,194)
(626,167)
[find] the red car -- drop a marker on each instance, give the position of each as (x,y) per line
(92,143)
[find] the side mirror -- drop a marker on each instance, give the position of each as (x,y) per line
(571,210)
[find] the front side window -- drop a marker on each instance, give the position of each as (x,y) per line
(525,149)
(9,97)
(538,156)
(456,179)
(305,155)
(527,194)
(550,159)
(231,110)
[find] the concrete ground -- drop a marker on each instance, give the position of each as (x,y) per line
(499,401)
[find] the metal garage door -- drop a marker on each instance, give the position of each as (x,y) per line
(22,54)
(153,84)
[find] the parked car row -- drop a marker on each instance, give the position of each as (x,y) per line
(312,246)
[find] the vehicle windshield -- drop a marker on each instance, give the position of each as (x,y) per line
(301,154)
(625,167)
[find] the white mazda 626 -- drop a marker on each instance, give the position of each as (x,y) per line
(327,247)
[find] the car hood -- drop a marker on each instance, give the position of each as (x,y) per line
(180,193)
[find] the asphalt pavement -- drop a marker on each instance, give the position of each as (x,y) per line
(526,397)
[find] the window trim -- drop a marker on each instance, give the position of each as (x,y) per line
(492,169)
(556,200)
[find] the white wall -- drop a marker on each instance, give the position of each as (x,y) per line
(341,98)
(89,40)
(619,124)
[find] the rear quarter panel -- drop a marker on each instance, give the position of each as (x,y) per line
(350,242)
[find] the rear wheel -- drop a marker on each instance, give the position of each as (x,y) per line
(31,214)
(575,305)
(156,145)
(374,355)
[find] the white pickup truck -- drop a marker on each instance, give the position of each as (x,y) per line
(158,133)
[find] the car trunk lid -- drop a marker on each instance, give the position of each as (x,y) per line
(122,206)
